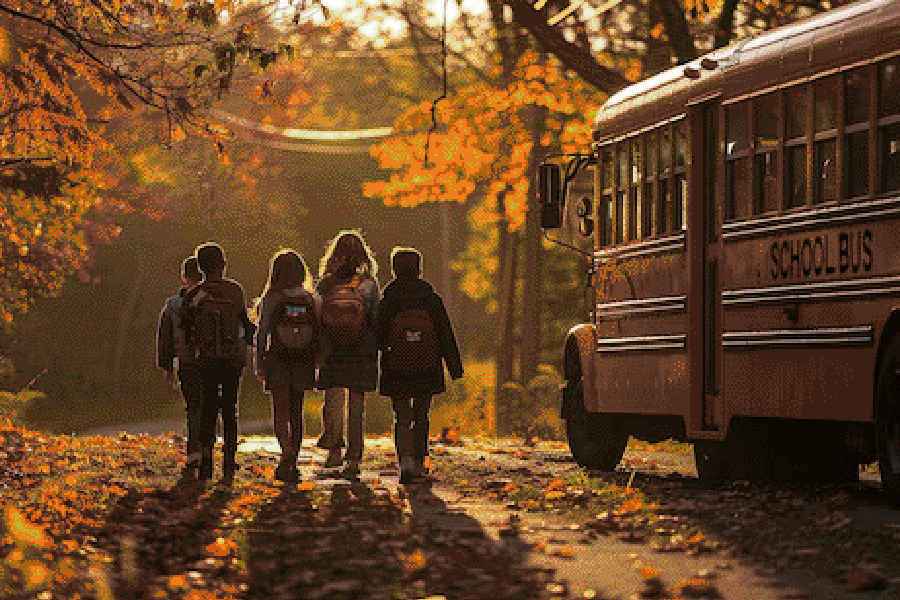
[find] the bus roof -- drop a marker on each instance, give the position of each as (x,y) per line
(841,37)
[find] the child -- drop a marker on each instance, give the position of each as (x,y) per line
(217,334)
(350,296)
(416,340)
(286,346)
(169,346)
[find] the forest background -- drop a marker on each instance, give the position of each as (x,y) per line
(131,131)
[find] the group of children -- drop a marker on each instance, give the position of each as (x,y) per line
(338,334)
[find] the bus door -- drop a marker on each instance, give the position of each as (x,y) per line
(704,299)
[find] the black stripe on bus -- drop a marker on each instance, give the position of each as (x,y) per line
(816,291)
(642,344)
(642,307)
(832,216)
(860,336)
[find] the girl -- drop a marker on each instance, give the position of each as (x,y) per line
(286,347)
(347,270)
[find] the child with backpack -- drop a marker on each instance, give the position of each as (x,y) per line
(218,333)
(350,296)
(287,342)
(416,340)
(169,346)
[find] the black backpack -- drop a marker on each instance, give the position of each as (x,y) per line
(294,326)
(216,331)
(412,342)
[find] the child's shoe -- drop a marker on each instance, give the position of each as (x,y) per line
(335,459)
(407,471)
(351,471)
(287,469)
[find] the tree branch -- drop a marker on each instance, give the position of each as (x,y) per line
(571,55)
(725,24)
(676,27)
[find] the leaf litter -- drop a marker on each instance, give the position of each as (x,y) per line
(102,518)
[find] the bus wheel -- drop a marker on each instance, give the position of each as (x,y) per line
(887,420)
(595,439)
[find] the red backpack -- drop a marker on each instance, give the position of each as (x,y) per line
(344,314)
(294,325)
(412,342)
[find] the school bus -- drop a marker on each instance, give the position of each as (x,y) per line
(741,214)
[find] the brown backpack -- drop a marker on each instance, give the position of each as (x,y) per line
(344,314)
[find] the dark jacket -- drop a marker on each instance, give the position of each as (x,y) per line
(408,292)
(224,288)
(168,331)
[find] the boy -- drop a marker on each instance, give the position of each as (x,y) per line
(169,346)
(416,341)
(218,333)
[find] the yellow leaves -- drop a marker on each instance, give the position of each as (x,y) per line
(23,531)
(306,486)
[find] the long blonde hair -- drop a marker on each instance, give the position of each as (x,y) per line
(287,269)
(347,252)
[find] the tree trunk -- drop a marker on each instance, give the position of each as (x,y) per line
(506,296)
(531,294)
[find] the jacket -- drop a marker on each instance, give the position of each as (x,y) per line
(402,293)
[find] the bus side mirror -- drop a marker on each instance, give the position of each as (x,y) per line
(550,193)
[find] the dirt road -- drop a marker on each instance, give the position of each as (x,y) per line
(663,536)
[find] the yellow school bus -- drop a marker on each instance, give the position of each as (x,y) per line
(742,213)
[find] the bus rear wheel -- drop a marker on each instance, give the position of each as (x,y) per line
(887,420)
(596,440)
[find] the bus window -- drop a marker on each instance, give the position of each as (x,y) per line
(889,126)
(825,101)
(607,206)
(607,170)
(825,96)
(620,216)
(665,149)
(766,117)
(647,211)
(679,204)
(857,94)
(765,182)
(662,207)
(825,176)
(681,148)
(737,190)
(857,88)
(607,174)
(795,153)
(634,200)
(651,155)
(623,165)
(652,152)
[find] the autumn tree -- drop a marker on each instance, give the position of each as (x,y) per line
(73,72)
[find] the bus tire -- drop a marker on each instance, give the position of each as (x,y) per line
(595,439)
(887,420)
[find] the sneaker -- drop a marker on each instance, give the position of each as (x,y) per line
(284,472)
(334,458)
(351,471)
